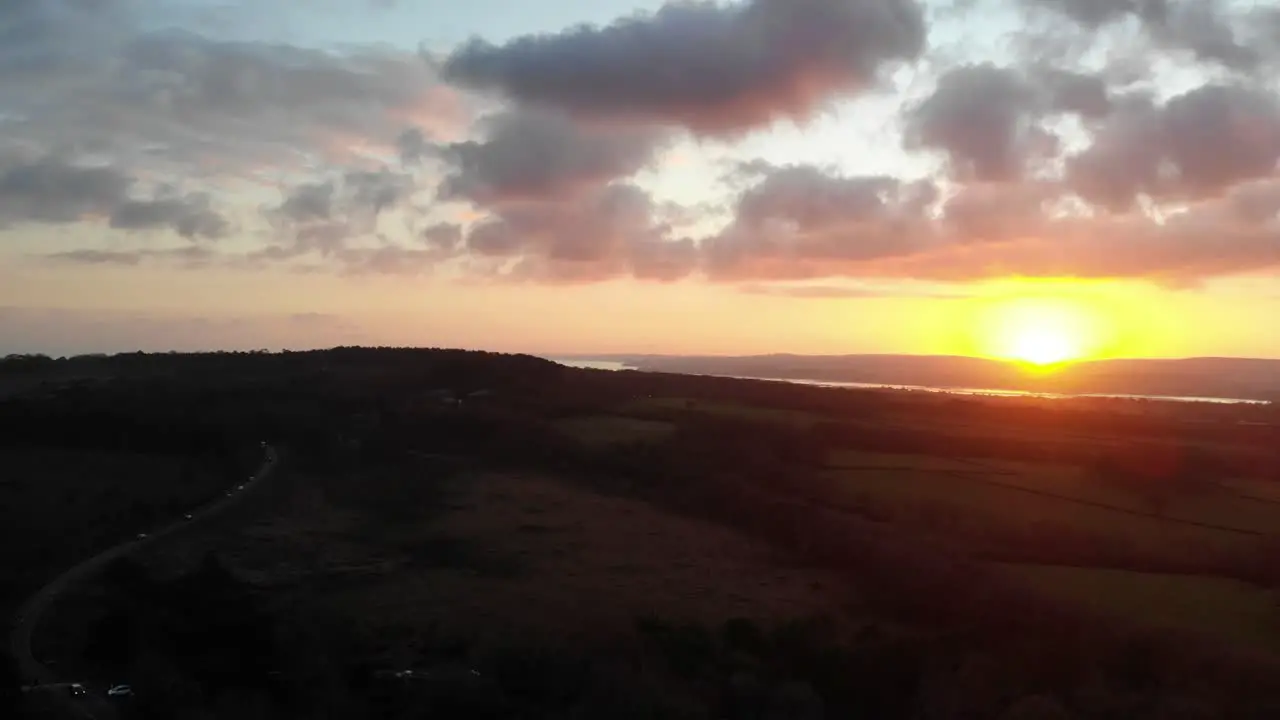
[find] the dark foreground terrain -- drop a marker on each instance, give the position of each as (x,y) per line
(470,535)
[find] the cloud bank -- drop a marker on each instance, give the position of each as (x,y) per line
(542,158)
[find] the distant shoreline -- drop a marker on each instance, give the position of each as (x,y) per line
(618,365)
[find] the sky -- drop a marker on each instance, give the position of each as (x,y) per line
(608,176)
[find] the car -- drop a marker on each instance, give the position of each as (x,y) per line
(239,487)
(76,690)
(142,536)
(119,691)
(187,516)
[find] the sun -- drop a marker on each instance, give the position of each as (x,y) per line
(1040,333)
(1042,346)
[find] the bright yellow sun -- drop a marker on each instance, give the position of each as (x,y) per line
(1039,332)
(1042,346)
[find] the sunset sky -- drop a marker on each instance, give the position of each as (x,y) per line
(583,176)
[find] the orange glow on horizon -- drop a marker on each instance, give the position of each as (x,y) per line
(1045,325)
(1039,332)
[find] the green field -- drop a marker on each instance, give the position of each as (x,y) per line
(1229,610)
(603,430)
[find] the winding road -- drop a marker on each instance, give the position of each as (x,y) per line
(36,673)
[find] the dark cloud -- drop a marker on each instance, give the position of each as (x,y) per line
(997,212)
(443,236)
(1096,13)
(308,202)
(190,216)
(987,120)
(352,193)
(800,222)
(1213,31)
(607,233)
(52,189)
(413,146)
(535,154)
(336,224)
(713,68)
(1197,144)
(192,256)
(99,257)
(1067,91)
(325,217)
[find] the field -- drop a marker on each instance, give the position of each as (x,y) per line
(726,409)
(1231,610)
(501,555)
(1004,507)
(508,542)
(603,430)
(1045,503)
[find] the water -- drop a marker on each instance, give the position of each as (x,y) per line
(987,392)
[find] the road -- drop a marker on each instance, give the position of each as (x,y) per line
(27,620)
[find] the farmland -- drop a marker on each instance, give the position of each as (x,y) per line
(1116,535)
(1242,614)
(697,547)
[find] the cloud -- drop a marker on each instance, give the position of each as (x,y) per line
(1096,13)
(1212,238)
(712,68)
(98,78)
(987,120)
(528,154)
(1055,164)
(52,190)
(607,233)
(1197,144)
(324,217)
(801,222)
(99,257)
(1214,31)
(191,256)
(443,236)
(845,292)
(189,216)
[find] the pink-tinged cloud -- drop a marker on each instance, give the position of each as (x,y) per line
(801,224)
(1197,144)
